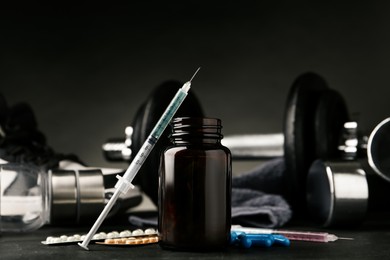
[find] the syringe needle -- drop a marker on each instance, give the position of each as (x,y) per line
(187,85)
(193,76)
(345,238)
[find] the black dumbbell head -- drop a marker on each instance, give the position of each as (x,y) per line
(299,133)
(331,115)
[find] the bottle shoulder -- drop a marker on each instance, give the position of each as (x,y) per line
(215,146)
(196,149)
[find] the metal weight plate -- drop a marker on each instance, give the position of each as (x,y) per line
(378,149)
(331,114)
(146,118)
(299,133)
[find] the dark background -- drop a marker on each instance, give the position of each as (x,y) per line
(86,69)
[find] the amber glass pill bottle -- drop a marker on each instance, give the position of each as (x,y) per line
(195,187)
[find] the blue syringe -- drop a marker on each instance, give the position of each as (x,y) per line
(124,183)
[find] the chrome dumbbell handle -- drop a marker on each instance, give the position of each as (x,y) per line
(351,142)
(247,146)
(267,146)
(119,149)
(250,146)
(263,146)
(255,146)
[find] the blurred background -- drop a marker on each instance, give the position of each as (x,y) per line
(85,69)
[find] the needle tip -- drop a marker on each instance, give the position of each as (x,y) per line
(193,76)
(346,238)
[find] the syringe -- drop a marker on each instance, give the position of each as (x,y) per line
(124,183)
(323,237)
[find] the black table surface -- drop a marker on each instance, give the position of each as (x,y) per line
(371,240)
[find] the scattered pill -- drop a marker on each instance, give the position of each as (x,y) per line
(125,233)
(150,231)
(138,232)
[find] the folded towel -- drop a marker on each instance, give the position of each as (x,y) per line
(267,177)
(254,208)
(256,198)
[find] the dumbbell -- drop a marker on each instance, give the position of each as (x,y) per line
(314,120)
(344,192)
(348,181)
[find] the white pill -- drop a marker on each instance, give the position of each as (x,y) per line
(102,235)
(56,240)
(110,235)
(97,236)
(70,239)
(49,239)
(150,231)
(125,233)
(138,232)
(63,238)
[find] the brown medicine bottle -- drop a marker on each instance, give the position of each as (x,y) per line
(195,187)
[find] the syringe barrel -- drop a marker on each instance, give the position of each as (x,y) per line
(305,236)
(157,131)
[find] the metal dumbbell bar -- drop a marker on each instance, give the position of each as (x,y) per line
(249,146)
(260,146)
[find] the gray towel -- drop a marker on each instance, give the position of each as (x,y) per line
(267,177)
(254,208)
(256,199)
(257,196)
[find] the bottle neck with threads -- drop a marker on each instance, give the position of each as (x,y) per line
(186,130)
